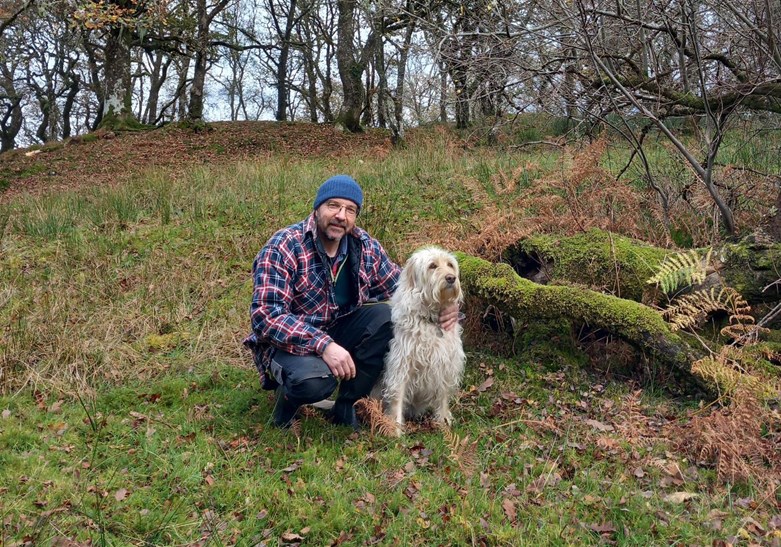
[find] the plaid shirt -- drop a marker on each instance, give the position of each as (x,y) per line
(294,302)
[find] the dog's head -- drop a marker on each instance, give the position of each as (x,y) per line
(433,272)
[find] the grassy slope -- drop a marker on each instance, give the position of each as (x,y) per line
(135,298)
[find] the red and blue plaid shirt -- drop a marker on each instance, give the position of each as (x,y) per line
(293,302)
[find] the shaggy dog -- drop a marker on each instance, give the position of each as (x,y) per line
(424,365)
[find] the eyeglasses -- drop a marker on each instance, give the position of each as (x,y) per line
(334,207)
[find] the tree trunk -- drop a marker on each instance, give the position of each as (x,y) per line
(350,67)
(195,106)
(11,123)
(117,97)
(284,54)
(67,108)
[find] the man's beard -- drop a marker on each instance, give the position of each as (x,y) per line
(323,230)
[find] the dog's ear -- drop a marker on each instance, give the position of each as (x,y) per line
(409,272)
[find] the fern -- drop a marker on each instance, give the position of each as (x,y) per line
(462,452)
(692,309)
(680,270)
(370,410)
(731,373)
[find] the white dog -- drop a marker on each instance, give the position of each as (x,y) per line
(424,365)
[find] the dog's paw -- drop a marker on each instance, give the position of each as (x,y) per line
(444,417)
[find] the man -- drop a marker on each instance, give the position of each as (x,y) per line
(319,309)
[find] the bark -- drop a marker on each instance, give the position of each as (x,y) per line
(350,69)
(639,325)
(195,106)
(282,64)
(117,95)
(10,110)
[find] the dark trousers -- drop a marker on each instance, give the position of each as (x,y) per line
(365,333)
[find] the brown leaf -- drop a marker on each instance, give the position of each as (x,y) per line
(509,509)
(638,472)
(486,385)
(604,528)
(120,494)
(6,414)
(292,467)
(680,497)
(596,424)
(290,537)
(208,479)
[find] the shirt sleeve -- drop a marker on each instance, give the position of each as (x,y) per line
(270,311)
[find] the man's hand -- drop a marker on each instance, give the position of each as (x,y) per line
(339,361)
(448,317)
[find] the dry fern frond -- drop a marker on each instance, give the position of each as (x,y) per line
(692,309)
(732,440)
(680,270)
(462,452)
(632,424)
(728,372)
(370,410)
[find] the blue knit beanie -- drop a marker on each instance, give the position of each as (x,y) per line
(339,186)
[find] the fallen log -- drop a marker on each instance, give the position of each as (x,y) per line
(637,324)
(621,266)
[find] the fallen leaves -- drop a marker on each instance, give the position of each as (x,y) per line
(680,497)
(596,424)
(121,494)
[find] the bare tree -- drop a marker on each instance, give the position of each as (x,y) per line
(710,60)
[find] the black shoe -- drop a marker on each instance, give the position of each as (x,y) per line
(343,413)
(284,410)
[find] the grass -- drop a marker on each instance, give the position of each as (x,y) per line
(131,414)
(192,456)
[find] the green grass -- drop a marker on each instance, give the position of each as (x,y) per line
(192,456)
(129,305)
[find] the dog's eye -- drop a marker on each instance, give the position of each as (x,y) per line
(450,265)
(432,266)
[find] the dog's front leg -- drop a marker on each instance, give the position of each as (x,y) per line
(395,408)
(442,413)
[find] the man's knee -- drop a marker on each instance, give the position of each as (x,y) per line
(311,390)
(307,379)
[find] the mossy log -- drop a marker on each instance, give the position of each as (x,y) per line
(499,285)
(622,266)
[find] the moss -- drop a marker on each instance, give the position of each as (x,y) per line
(749,268)
(159,343)
(123,122)
(604,261)
(549,344)
(52,146)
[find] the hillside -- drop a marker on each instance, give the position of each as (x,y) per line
(104,158)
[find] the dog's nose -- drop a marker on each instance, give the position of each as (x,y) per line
(450,279)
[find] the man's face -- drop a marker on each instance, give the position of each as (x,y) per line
(335,218)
